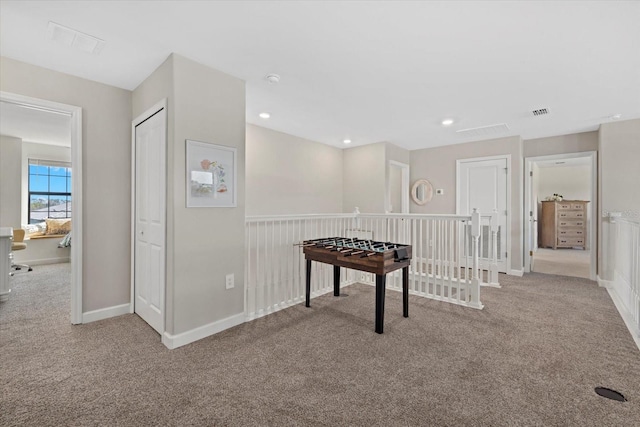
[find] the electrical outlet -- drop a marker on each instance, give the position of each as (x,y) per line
(229,279)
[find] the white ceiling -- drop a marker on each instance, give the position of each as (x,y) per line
(35,125)
(363,70)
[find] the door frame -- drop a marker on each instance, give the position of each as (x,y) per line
(404,169)
(75,114)
(592,238)
(506,157)
(160,106)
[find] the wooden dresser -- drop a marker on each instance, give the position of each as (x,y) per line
(564,224)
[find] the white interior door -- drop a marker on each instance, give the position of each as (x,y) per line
(482,184)
(149,233)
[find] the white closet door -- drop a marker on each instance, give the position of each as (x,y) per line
(150,228)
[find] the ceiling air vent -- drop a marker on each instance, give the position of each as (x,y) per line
(74,38)
(540,112)
(484,130)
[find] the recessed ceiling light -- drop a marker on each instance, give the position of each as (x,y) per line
(272,78)
(264,115)
(615,116)
(447,122)
(347,141)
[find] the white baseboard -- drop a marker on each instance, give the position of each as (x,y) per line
(491,285)
(105,313)
(603,283)
(626,317)
(184,338)
(44,261)
(512,272)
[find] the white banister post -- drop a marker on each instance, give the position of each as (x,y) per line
(474,287)
(356,218)
(493,268)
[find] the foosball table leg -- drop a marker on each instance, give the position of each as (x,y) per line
(405,291)
(336,281)
(308,288)
(380,288)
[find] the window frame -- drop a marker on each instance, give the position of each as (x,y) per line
(68,213)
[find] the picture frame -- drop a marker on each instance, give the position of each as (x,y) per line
(211,175)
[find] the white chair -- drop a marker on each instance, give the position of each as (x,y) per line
(18,244)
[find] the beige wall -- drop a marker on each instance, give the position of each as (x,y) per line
(203,244)
(572,182)
(10,175)
(106,139)
(208,242)
(572,143)
(291,175)
(438,165)
(364,178)
(619,179)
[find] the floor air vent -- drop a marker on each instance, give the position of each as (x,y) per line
(610,394)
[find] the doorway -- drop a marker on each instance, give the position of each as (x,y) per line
(572,178)
(74,115)
(397,187)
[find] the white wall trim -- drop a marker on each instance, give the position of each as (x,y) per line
(518,273)
(105,313)
(45,261)
(603,283)
(184,338)
(626,317)
(593,226)
(492,285)
(76,189)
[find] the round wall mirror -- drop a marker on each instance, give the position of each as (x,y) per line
(421,192)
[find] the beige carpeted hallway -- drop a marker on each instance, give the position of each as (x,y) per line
(532,357)
(563,262)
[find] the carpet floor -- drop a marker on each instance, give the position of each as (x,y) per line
(532,357)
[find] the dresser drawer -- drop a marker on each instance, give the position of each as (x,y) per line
(570,214)
(577,205)
(570,232)
(570,241)
(570,223)
(563,206)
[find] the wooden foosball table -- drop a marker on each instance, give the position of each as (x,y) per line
(370,256)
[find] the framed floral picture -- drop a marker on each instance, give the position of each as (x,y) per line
(211,175)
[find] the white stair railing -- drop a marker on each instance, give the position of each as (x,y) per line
(275,269)
(445,265)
